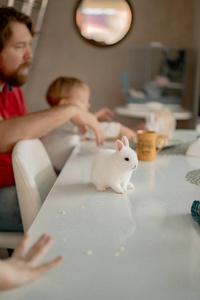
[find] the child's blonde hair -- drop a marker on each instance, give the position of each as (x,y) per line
(63,87)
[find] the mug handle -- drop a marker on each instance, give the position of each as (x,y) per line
(163,138)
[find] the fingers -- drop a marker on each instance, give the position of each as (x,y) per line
(49,265)
(100,138)
(95,126)
(82,129)
(19,250)
(99,134)
(129,133)
(133,137)
(38,250)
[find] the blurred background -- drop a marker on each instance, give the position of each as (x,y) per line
(60,50)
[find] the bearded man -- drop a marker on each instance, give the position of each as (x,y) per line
(16,33)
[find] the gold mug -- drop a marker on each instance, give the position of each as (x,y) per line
(147,144)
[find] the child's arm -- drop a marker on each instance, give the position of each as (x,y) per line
(110,130)
(113,131)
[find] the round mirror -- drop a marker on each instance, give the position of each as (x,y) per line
(103,22)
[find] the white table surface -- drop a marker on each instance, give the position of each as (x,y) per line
(144,244)
(144,110)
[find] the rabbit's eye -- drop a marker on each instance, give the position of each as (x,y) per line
(126,158)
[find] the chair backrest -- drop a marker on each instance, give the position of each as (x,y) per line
(10,240)
(34,177)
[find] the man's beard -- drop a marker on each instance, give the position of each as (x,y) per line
(16,78)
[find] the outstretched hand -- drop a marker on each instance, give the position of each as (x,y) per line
(104,115)
(22,268)
(83,119)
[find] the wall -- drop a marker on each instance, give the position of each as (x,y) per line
(61,51)
(196,43)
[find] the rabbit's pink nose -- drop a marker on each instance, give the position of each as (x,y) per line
(134,167)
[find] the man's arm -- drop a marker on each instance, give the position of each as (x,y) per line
(36,125)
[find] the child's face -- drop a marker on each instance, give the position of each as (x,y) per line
(80,98)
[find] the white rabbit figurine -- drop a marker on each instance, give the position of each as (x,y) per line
(113,168)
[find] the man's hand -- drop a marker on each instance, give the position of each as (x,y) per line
(82,119)
(20,269)
(104,115)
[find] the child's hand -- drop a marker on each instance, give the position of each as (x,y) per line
(141,126)
(104,115)
(129,133)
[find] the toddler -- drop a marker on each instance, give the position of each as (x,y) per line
(60,142)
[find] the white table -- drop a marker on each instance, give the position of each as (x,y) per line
(140,245)
(144,110)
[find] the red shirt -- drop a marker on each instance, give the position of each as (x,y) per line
(11,105)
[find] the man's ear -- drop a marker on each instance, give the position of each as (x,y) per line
(63,101)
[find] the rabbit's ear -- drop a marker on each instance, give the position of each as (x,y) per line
(119,145)
(125,141)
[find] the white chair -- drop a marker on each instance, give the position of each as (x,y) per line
(34,177)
